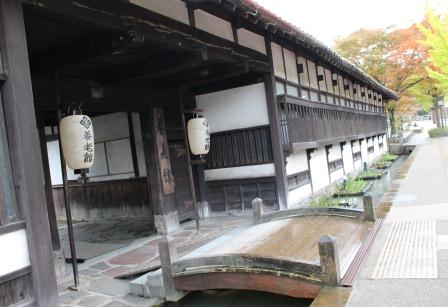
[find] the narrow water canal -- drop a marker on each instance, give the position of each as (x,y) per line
(240,298)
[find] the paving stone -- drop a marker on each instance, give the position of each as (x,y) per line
(113,272)
(100,266)
(116,304)
(71,296)
(92,301)
(88,272)
(136,256)
(109,286)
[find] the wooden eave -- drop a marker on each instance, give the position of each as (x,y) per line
(247,14)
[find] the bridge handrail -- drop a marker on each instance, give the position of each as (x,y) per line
(367,213)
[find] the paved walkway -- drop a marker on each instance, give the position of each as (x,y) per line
(98,276)
(408,263)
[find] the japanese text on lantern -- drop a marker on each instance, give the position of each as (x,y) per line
(163,155)
(87,139)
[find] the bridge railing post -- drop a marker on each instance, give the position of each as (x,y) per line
(329,261)
(369,208)
(168,254)
(257,210)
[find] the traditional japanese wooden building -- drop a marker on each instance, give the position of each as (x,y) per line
(287,115)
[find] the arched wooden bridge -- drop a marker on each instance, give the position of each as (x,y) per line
(291,252)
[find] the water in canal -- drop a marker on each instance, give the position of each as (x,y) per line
(241,298)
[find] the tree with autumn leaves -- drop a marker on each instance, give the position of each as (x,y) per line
(396,59)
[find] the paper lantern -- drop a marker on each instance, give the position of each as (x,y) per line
(77,141)
(199,136)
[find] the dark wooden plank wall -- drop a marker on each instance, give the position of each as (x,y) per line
(240,148)
(237,195)
(311,122)
(106,200)
(16,290)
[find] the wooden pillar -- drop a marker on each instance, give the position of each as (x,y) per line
(257,210)
(276,136)
(168,254)
(165,216)
(369,208)
(329,260)
(55,242)
(25,151)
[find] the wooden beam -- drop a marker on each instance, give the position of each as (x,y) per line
(83,51)
(276,137)
(25,151)
(156,69)
(157,29)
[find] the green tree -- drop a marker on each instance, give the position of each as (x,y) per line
(435,31)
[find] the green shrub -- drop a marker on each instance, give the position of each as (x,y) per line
(438,132)
(369,173)
(388,157)
(351,186)
(324,202)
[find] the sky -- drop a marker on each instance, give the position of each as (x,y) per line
(328,19)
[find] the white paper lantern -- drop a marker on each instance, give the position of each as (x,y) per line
(199,136)
(77,141)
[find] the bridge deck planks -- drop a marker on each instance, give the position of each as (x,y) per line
(297,238)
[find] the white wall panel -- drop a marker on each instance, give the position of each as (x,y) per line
(364,153)
(119,157)
(298,194)
(241,172)
(296,162)
(376,147)
(174,9)
(319,169)
(347,157)
(277,59)
(334,153)
(291,66)
(236,108)
(251,40)
(14,252)
(214,25)
(110,126)
(336,175)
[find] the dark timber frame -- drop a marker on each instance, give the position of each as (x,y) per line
(23,140)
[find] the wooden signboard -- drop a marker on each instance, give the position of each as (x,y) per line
(163,154)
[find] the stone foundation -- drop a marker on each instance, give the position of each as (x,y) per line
(167,223)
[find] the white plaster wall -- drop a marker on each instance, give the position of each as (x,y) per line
(358,165)
(356,146)
(319,169)
(241,172)
(14,253)
(251,40)
(236,108)
(386,144)
(296,162)
(298,194)
(364,154)
(291,66)
(174,9)
(370,156)
(334,153)
(347,157)
(214,25)
(336,175)
(376,148)
(277,59)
